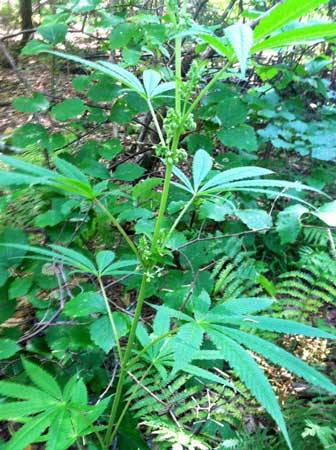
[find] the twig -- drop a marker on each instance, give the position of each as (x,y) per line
(332,243)
(102,395)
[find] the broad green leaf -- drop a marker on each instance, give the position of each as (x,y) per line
(36,103)
(255,219)
(42,379)
(101,331)
(187,342)
(8,348)
(201,166)
(215,210)
(49,219)
(327,213)
(240,36)
(110,149)
(29,134)
(238,306)
(68,109)
(81,82)
(84,304)
(252,376)
(282,358)
(284,13)
(231,112)
(241,137)
(29,432)
(104,91)
(298,36)
(54,34)
(131,56)
(35,47)
(113,70)
(128,172)
(121,35)
(289,223)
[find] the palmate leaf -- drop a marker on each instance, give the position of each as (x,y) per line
(187,342)
(280,357)
(284,13)
(19,410)
(113,70)
(270,324)
(60,255)
(252,376)
(240,36)
(248,305)
(61,434)
(236,174)
(297,36)
(15,390)
(29,174)
(31,431)
(42,379)
(201,166)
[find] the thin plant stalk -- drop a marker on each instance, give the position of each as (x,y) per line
(119,228)
(123,370)
(110,316)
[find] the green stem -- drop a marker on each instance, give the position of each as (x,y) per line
(123,370)
(156,123)
(163,204)
(110,316)
(177,221)
(119,228)
(124,411)
(207,88)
